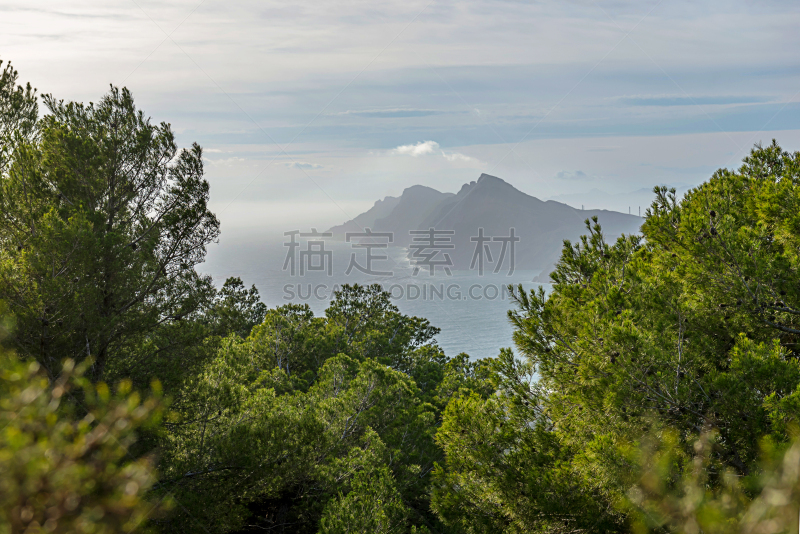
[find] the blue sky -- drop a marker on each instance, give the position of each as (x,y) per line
(310,111)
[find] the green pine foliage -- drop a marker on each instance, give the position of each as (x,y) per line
(67,452)
(102,213)
(679,492)
(372,506)
(655,388)
(281,427)
(19,111)
(691,327)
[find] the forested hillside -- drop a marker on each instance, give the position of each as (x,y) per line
(655,389)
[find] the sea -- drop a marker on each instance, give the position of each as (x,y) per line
(469,306)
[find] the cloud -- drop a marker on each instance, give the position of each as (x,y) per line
(686,100)
(303,165)
(420,149)
(224,161)
(568,175)
(456,156)
(425,148)
(213,150)
(392,113)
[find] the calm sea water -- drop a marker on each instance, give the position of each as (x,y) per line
(469,308)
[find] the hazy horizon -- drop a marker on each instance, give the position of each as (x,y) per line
(308,113)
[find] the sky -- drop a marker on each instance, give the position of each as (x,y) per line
(310,111)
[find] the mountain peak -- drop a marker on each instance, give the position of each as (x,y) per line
(483,178)
(484,181)
(384,200)
(421,190)
(494,183)
(492,205)
(466,188)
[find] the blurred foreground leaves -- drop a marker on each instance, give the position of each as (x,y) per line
(64,452)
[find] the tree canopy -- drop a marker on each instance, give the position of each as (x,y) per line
(691,326)
(655,387)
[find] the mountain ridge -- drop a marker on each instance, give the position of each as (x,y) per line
(494,207)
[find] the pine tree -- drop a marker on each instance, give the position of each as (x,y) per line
(102,220)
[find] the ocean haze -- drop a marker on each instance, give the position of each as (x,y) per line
(477,326)
(469,305)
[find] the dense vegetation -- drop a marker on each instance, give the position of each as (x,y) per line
(656,388)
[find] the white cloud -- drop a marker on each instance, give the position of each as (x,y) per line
(212,150)
(304,165)
(457,156)
(420,149)
(392,113)
(224,161)
(424,148)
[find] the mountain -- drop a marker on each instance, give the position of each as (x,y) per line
(632,200)
(416,204)
(497,207)
(381,209)
(396,214)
